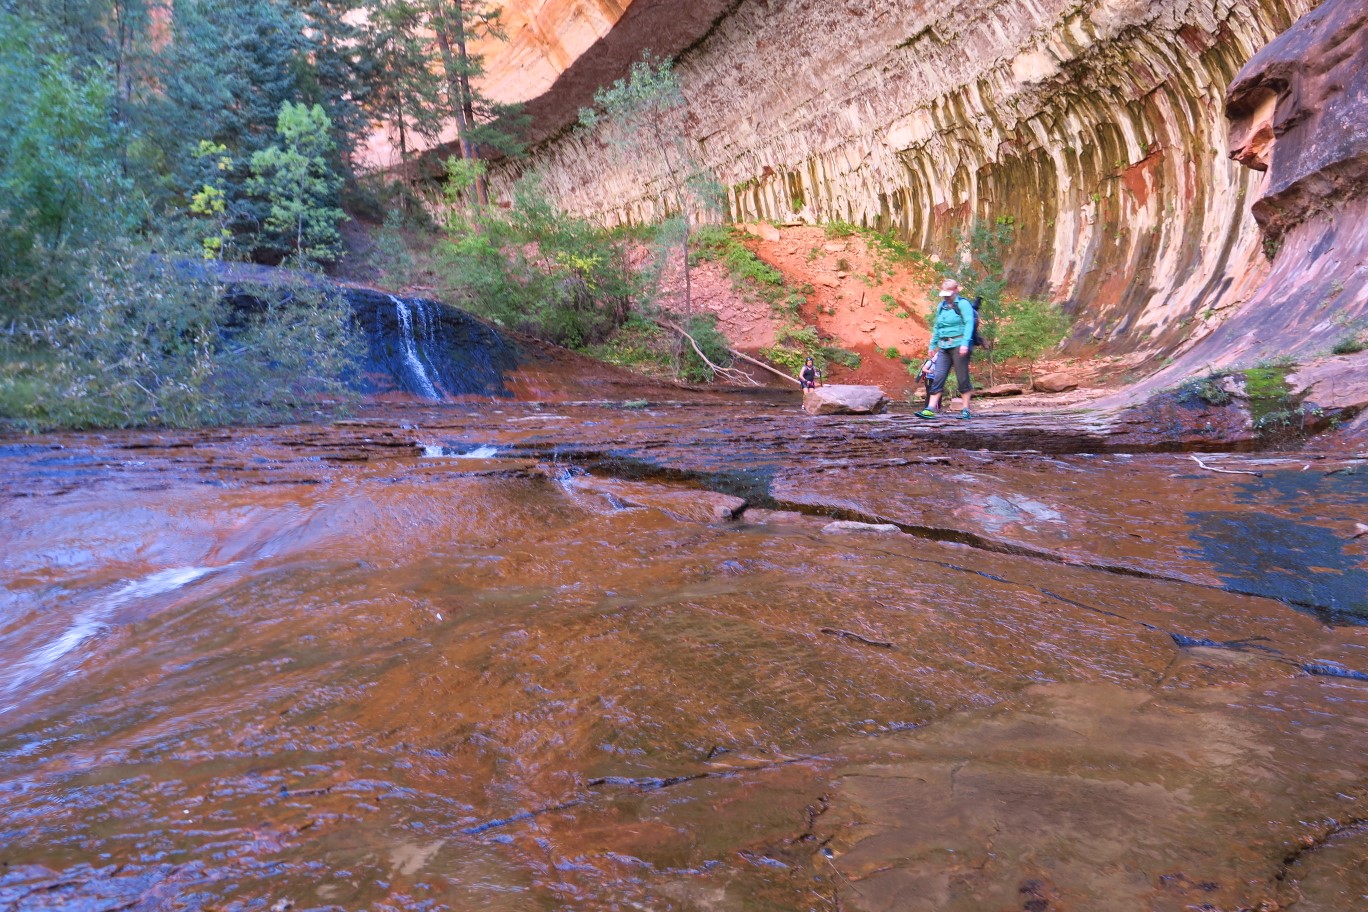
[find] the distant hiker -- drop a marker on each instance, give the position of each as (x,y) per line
(952,343)
(810,376)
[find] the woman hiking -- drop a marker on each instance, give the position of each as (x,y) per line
(952,337)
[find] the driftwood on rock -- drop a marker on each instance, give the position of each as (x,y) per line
(1224,471)
(729,373)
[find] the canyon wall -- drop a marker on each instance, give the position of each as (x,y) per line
(1097,128)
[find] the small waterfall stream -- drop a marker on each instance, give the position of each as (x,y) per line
(411,342)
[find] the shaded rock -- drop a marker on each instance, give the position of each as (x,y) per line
(1058,382)
(843,526)
(842,399)
(1002,389)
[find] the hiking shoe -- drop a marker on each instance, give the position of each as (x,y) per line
(964,415)
(927,413)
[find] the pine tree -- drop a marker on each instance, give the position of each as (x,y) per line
(408,91)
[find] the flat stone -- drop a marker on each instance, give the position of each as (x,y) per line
(1002,389)
(844,399)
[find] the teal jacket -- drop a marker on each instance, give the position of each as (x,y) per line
(951,329)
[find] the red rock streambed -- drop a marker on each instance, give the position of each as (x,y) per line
(582,656)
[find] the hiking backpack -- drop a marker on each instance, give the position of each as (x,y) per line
(977,341)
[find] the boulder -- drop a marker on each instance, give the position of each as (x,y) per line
(1058,382)
(844,399)
(1002,389)
(762,230)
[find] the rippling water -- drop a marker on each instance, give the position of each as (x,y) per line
(524,658)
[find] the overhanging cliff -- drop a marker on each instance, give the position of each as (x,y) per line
(1098,128)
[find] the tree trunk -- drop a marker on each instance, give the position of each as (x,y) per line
(451,65)
(471,149)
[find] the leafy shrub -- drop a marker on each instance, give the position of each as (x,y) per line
(1026,328)
(1208,389)
(1352,343)
(129,340)
(538,271)
(795,343)
(840,229)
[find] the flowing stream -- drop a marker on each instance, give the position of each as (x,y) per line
(520,656)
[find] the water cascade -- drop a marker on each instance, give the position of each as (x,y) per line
(417,374)
(430,349)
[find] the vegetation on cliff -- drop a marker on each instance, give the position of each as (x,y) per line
(135,135)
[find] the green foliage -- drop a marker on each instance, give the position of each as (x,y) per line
(1209,389)
(795,343)
(1026,328)
(840,229)
(538,270)
(60,183)
(129,341)
(210,202)
(981,273)
(1352,342)
(639,344)
(722,244)
(643,115)
(299,185)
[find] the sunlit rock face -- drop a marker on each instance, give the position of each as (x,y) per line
(1097,128)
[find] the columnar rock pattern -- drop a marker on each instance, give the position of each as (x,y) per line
(1299,114)
(1097,128)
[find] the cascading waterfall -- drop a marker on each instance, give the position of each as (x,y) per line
(410,345)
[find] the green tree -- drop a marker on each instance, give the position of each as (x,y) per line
(299,185)
(60,184)
(481,125)
(643,115)
(408,91)
(1027,329)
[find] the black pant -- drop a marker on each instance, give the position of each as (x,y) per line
(945,359)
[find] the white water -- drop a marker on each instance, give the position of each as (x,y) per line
(437,451)
(94,620)
(409,344)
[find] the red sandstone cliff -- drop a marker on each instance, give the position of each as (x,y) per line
(1098,127)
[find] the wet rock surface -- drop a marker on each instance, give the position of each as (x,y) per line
(515,655)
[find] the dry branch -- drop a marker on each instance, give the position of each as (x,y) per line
(729,373)
(1224,471)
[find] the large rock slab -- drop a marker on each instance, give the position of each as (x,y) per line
(844,399)
(1058,382)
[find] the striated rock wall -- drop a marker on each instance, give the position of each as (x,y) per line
(1299,119)
(1096,127)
